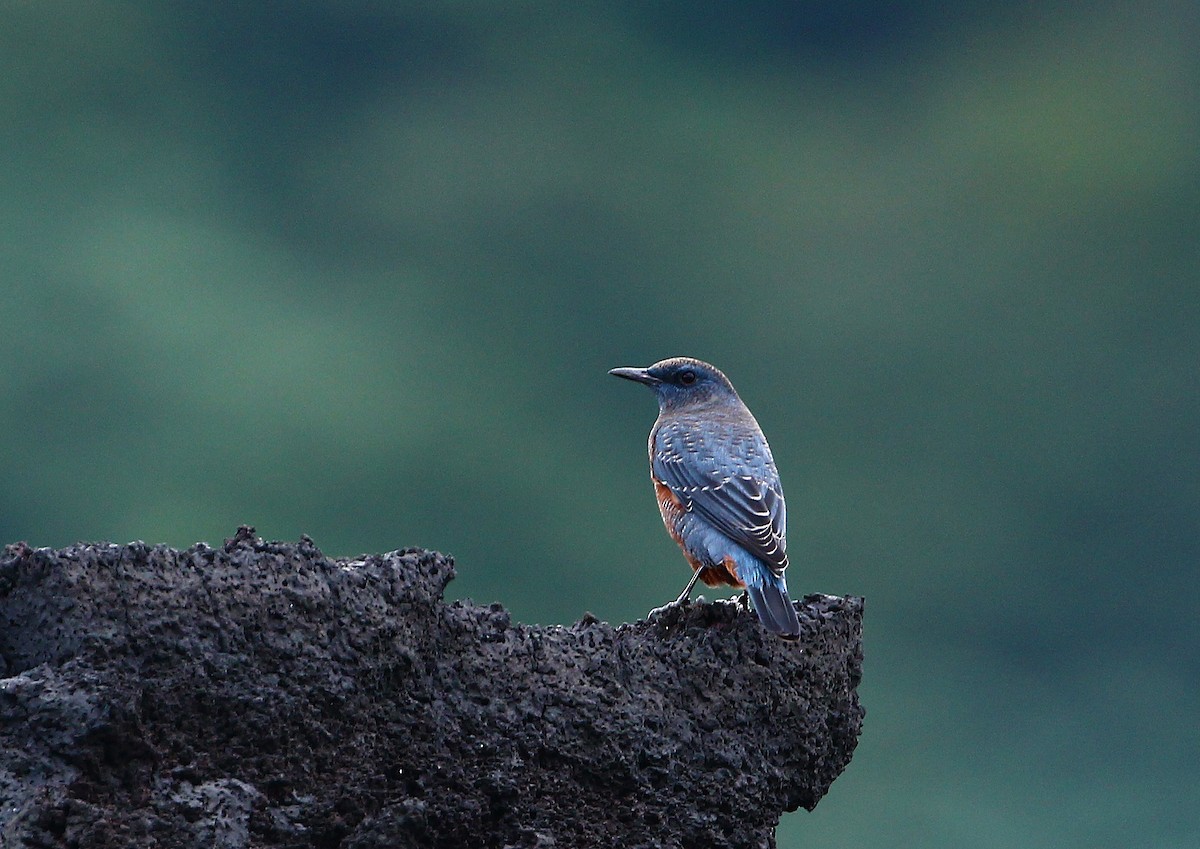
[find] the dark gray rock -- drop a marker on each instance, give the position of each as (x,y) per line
(261,694)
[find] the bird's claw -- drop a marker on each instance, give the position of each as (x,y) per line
(663,610)
(677,604)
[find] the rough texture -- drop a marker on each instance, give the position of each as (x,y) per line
(261,694)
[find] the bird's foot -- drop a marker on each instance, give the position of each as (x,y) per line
(664,609)
(677,604)
(744,600)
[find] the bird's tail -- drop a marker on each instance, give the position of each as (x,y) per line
(772,604)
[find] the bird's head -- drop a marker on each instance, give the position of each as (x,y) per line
(680,381)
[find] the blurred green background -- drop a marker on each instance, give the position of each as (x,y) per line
(357,269)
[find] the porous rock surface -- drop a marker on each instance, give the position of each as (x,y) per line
(262,694)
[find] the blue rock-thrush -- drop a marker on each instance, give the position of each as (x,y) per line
(717,486)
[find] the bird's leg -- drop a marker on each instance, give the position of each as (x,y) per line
(687,591)
(744,600)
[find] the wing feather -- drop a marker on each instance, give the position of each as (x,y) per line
(739,496)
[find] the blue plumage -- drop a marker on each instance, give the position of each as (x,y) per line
(717,486)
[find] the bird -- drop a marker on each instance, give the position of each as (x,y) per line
(717,486)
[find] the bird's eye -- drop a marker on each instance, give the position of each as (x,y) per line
(687,378)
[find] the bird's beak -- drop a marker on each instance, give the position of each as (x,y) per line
(640,375)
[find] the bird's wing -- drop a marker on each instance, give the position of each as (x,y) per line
(741,497)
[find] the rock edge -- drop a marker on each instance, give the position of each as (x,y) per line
(262,694)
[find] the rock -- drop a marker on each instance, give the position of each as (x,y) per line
(261,694)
